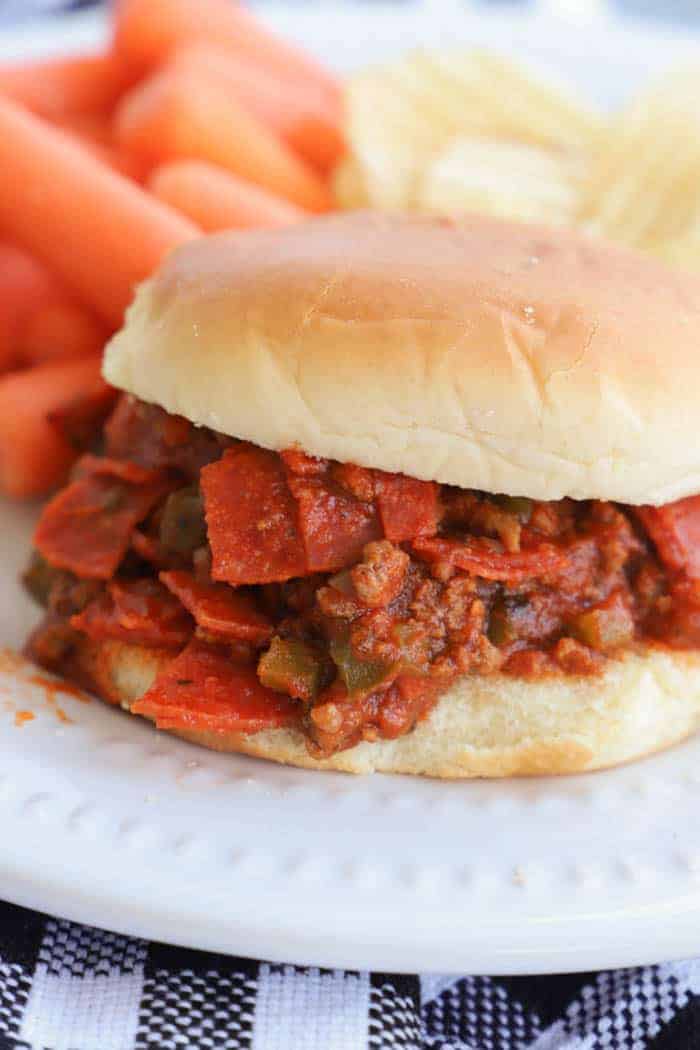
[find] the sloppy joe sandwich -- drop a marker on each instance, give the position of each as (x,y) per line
(393,494)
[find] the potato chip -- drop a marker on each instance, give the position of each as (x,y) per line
(389,134)
(469,131)
(401,116)
(644,185)
(348,185)
(683,253)
(478,176)
(505,101)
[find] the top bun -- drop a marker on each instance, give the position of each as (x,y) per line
(489,355)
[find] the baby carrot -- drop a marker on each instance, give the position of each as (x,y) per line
(96,230)
(60,329)
(94,132)
(25,285)
(59,87)
(34,455)
(179,115)
(300,114)
(217,200)
(148,31)
(94,128)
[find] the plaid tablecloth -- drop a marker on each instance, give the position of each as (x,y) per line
(70,987)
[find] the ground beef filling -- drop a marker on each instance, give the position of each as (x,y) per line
(294,591)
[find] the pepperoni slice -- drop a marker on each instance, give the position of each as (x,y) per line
(219,609)
(335,526)
(142,612)
(675,532)
(204,690)
(122,469)
(87,527)
(408,508)
(251,518)
(479,558)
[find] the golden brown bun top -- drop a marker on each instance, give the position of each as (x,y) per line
(485,354)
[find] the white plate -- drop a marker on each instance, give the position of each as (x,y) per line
(106,822)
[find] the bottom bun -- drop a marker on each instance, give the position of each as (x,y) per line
(494,726)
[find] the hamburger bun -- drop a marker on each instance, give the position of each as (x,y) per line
(494,726)
(487,355)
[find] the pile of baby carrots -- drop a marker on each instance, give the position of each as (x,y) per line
(194,118)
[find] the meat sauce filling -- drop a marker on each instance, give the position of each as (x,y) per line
(295,591)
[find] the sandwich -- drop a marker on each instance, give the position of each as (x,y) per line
(392,493)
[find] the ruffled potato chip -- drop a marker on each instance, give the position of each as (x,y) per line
(349,187)
(458,131)
(504,101)
(682,252)
(402,115)
(644,183)
(506,179)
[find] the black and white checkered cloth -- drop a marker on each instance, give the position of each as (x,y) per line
(70,987)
